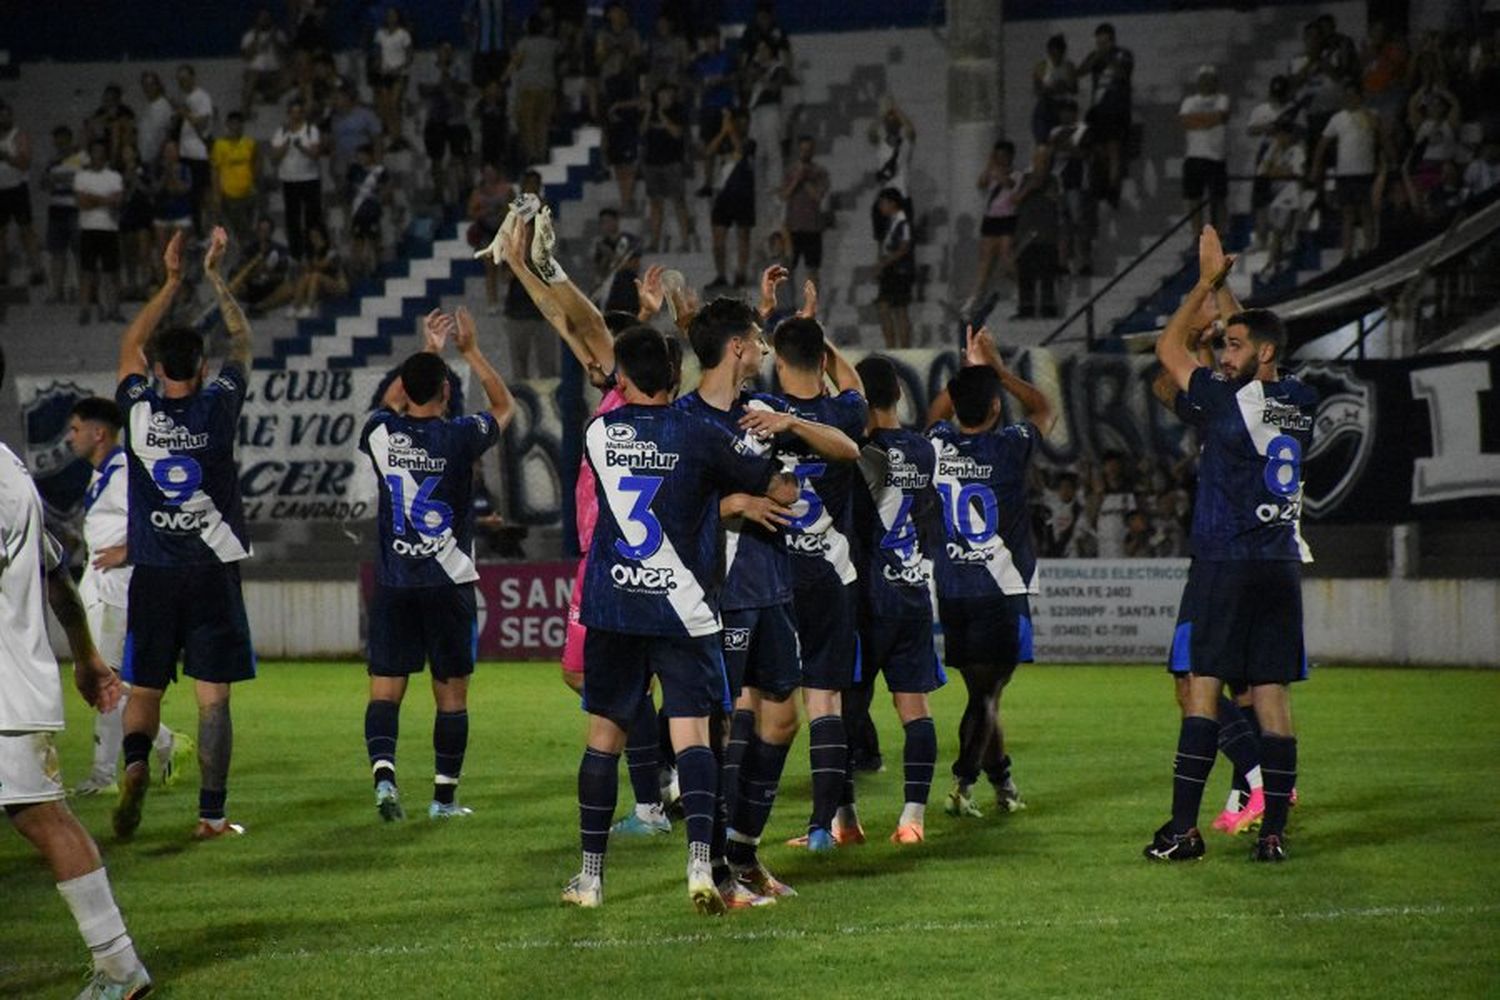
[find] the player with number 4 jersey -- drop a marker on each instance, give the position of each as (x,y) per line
(988,564)
(423,608)
(186,535)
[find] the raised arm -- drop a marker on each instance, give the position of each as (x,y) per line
(981,349)
(133,343)
(466,339)
(825,439)
(240,343)
(1172,347)
(577,320)
(838,368)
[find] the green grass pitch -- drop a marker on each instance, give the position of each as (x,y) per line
(1393,887)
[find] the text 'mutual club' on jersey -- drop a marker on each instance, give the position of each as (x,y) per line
(585,500)
(981,486)
(106,524)
(894,517)
(1255,433)
(757,570)
(822,516)
(660,472)
(425,470)
(184,497)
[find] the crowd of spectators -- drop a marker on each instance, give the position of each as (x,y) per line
(1118,508)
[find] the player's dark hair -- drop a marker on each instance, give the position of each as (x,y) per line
(1264,326)
(973,389)
(882,386)
(799,342)
(422,376)
(179,351)
(715,325)
(617,321)
(642,355)
(99,410)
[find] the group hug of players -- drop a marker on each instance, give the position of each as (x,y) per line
(741,547)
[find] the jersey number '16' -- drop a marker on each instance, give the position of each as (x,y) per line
(430,517)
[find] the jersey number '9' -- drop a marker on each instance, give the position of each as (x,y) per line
(178,477)
(644,488)
(959,512)
(430,517)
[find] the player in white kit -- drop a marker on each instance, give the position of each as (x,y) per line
(94,436)
(31,712)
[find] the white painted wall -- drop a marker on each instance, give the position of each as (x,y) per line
(1415,622)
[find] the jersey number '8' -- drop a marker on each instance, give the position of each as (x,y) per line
(1283,475)
(178,477)
(430,517)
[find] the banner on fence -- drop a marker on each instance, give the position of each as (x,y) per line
(1106,610)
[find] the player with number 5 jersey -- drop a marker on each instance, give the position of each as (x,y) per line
(186,535)
(987,566)
(423,608)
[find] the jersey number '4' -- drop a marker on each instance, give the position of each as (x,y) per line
(902,536)
(430,517)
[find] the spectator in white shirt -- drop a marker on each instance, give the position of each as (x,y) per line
(196,111)
(100,190)
(1263,120)
(294,149)
(155,120)
(1282,168)
(1484,173)
(394,46)
(1203,116)
(1355,130)
(261,46)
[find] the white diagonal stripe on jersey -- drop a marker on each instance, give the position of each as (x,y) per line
(216,533)
(836,553)
(999,562)
(452,560)
(687,599)
(1252,402)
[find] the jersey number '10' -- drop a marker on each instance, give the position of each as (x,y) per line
(430,517)
(958,511)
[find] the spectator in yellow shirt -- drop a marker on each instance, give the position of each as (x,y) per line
(236,164)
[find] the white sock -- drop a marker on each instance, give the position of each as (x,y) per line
(913,812)
(1235,802)
(100,923)
(649,811)
(164,739)
(1252,778)
(109,732)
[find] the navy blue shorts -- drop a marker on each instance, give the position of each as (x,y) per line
(761,651)
(902,650)
(197,612)
(986,630)
(1251,631)
(827,630)
(618,666)
(411,626)
(1180,656)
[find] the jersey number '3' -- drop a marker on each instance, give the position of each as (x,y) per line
(644,488)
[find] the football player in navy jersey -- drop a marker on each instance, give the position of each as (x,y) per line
(988,564)
(423,607)
(1256,425)
(823,571)
(760,634)
(1239,729)
(186,536)
(650,599)
(894,518)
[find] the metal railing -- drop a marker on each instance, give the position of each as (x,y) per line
(1087,309)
